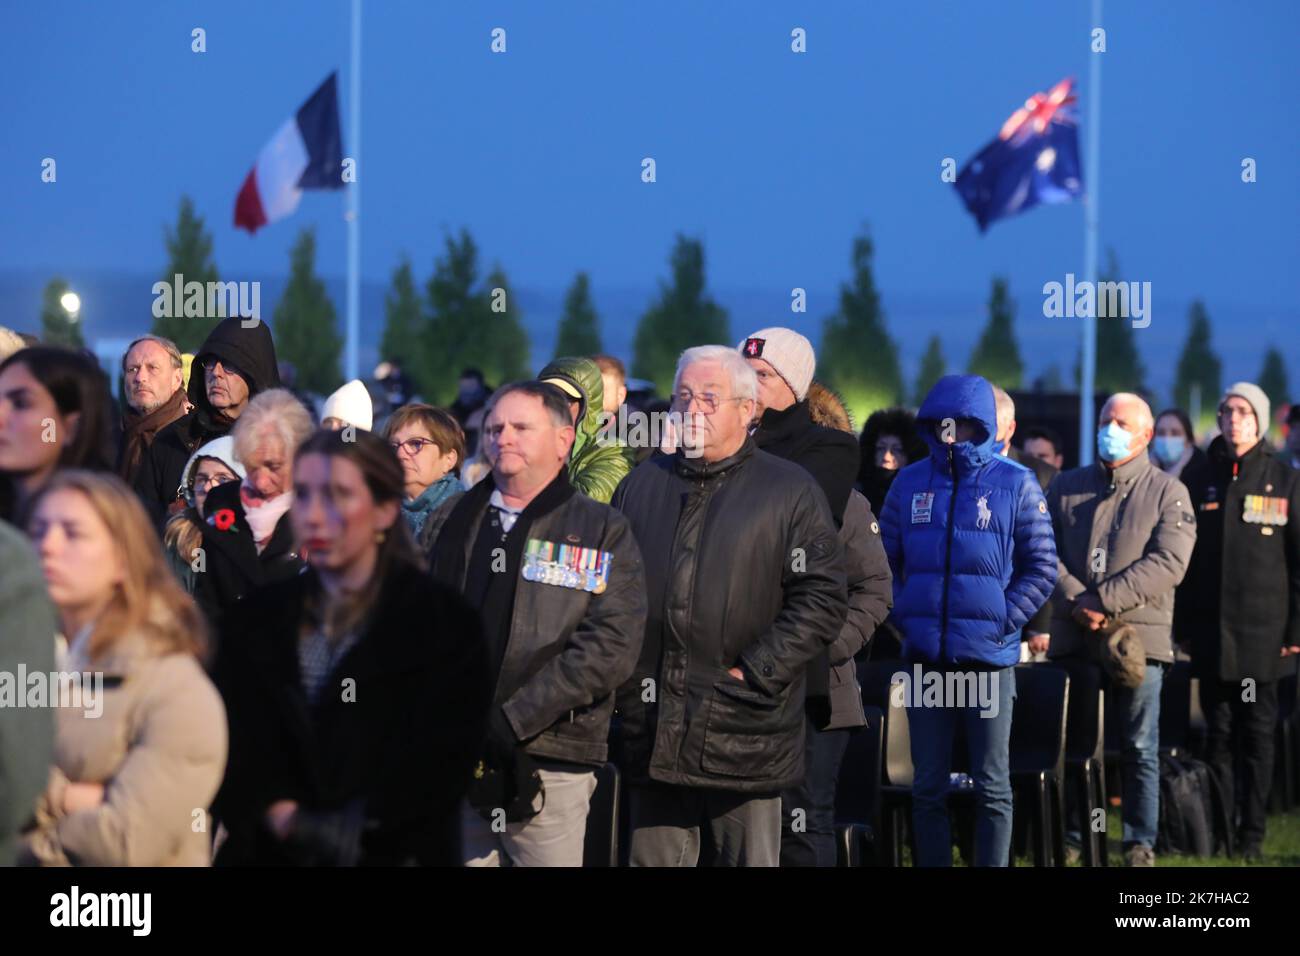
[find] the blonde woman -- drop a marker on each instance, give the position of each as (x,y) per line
(140,752)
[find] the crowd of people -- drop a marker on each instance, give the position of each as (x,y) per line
(288,636)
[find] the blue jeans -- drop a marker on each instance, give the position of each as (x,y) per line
(989,737)
(1141,756)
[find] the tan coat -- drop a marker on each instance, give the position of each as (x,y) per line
(159,748)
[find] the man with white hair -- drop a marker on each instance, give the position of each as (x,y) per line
(1036,634)
(1124,536)
(745,584)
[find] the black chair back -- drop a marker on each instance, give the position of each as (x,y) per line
(1085,719)
(876,678)
(601,841)
(857,795)
(1176,706)
(1038,720)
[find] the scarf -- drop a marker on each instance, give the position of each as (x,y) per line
(139,431)
(450,557)
(419,508)
(263,514)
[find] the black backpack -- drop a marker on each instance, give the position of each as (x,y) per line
(1193,809)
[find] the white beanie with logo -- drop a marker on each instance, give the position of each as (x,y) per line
(789,353)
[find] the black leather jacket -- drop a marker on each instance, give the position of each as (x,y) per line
(743,568)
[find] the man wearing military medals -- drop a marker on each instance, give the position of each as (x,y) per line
(1240,601)
(557,579)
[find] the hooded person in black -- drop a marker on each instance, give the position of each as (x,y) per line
(882,461)
(243,357)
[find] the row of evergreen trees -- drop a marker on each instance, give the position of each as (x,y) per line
(461,321)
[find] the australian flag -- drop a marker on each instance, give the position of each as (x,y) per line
(1035,159)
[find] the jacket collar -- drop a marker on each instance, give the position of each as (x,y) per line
(1220,452)
(698,469)
(1126,472)
(776,426)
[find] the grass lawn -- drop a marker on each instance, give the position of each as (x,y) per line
(1281,845)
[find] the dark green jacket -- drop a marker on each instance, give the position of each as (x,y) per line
(595,469)
(27,639)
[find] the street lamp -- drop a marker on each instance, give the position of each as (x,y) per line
(71,303)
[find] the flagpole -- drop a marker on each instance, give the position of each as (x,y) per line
(1091,212)
(351,359)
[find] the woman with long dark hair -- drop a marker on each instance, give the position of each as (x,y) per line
(1174,446)
(54,413)
(357,691)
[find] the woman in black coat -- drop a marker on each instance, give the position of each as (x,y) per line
(357,692)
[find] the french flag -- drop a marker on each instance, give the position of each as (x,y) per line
(305,153)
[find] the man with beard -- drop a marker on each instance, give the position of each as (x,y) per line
(151,373)
(236,362)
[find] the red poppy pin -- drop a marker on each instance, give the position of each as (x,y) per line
(224,518)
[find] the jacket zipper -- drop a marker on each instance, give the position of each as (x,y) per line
(947,556)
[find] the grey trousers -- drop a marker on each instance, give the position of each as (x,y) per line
(687,826)
(554,837)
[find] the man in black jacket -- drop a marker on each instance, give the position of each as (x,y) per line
(1240,600)
(557,579)
(746,585)
(784,362)
(236,362)
(1036,634)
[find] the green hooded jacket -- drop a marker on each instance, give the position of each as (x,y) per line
(594,469)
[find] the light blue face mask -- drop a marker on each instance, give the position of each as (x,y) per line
(1169,448)
(1113,442)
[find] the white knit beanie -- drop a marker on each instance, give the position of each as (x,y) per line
(351,404)
(788,352)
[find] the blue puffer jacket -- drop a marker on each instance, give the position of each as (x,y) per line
(968,537)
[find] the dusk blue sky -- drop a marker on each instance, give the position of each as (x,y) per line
(774,159)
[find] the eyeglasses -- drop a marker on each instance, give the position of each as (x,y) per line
(708,401)
(1232,411)
(211,361)
(412,446)
(205,483)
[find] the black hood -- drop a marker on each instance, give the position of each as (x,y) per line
(251,350)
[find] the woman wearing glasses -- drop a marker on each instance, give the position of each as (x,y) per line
(430,445)
(212,465)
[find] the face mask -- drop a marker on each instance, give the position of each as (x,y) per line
(1113,442)
(1169,448)
(998,446)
